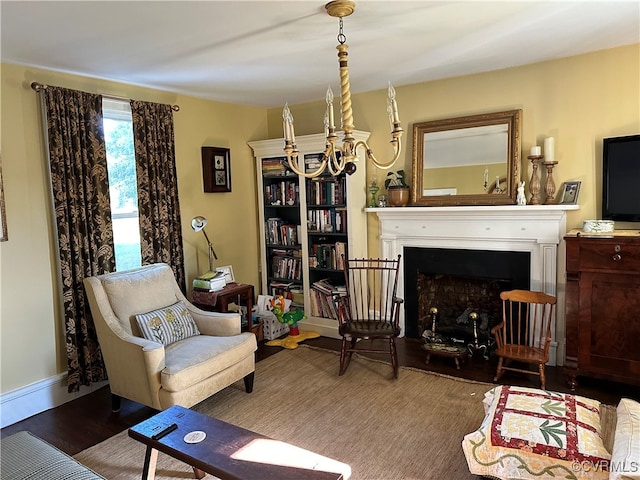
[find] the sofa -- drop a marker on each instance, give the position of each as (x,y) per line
(23,455)
(529,433)
(159,349)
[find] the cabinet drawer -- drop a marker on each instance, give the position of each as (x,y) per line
(609,255)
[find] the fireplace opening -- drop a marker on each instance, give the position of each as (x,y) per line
(464,286)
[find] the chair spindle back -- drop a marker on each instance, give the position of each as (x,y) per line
(527,318)
(371,286)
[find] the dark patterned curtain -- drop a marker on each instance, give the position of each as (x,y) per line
(158,206)
(80,187)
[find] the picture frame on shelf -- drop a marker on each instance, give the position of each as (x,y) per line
(227,270)
(569,193)
(216,169)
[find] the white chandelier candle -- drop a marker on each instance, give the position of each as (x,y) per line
(339,159)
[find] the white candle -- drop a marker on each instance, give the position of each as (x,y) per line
(549,155)
(536,150)
(391,99)
(329,99)
(326,122)
(287,124)
(486,176)
(497,182)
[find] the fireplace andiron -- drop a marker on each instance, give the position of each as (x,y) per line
(476,345)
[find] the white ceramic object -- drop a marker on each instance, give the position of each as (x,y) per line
(598,226)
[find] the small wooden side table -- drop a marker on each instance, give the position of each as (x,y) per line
(444,350)
(239,293)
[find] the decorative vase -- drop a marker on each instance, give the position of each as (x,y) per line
(397,196)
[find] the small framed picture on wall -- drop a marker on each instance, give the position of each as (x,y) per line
(216,169)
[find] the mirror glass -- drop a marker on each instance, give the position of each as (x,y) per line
(469,160)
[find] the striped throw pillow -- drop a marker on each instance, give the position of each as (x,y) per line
(167,325)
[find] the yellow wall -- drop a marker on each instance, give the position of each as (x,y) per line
(578,100)
(32,346)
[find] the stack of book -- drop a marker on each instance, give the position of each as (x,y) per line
(210,281)
(323,296)
(274,167)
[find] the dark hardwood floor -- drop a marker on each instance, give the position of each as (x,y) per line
(88,420)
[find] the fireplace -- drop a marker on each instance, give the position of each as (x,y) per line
(458,282)
(536,230)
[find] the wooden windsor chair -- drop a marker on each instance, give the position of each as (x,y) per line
(370,310)
(524,334)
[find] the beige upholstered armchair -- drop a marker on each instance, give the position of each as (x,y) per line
(191,355)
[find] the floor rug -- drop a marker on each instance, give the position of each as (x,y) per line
(409,428)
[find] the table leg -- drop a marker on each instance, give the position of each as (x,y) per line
(150,461)
(457,363)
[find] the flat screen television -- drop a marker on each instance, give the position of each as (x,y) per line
(621,178)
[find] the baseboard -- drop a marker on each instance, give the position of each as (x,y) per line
(324,326)
(38,397)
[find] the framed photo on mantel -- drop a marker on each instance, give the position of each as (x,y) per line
(216,169)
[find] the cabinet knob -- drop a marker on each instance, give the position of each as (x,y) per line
(617,257)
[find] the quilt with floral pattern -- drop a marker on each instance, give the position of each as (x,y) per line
(529,433)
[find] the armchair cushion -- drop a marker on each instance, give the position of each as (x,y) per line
(194,359)
(167,325)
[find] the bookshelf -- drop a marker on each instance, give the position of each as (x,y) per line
(305,226)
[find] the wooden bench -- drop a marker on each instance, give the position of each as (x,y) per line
(229,451)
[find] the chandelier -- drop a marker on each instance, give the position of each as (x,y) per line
(342,159)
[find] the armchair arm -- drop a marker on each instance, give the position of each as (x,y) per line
(216,323)
(498,333)
(134,365)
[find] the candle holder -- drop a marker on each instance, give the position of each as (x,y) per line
(550,186)
(534,184)
(373,189)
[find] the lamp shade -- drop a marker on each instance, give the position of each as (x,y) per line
(198,223)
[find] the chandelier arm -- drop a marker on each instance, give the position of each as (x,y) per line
(397,149)
(293,165)
(336,164)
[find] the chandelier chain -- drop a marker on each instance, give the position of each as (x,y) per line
(341,36)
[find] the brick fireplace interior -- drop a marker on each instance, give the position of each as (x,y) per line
(456,282)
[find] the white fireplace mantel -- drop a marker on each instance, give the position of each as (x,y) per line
(537,229)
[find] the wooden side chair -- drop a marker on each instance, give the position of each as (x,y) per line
(524,334)
(370,310)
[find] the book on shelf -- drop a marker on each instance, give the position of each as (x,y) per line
(323,296)
(275,167)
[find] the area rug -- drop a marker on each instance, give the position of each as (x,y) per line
(409,428)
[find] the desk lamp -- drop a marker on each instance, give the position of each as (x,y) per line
(198,223)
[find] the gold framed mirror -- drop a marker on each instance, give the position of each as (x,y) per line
(472,160)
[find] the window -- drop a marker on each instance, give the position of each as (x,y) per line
(121,165)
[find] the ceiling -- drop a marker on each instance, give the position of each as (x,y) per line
(264,53)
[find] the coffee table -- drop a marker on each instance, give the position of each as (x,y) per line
(457,352)
(229,451)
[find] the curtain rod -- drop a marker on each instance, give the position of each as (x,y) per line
(41,86)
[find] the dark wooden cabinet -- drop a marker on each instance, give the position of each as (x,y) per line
(603,306)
